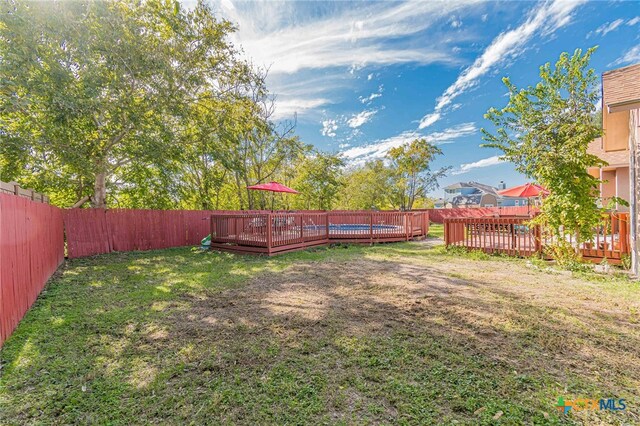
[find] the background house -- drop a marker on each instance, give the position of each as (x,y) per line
(475,194)
(619,145)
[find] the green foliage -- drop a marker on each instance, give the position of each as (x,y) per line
(565,255)
(366,187)
(137,101)
(545,130)
(319,180)
(411,171)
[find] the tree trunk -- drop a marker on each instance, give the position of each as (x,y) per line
(99,199)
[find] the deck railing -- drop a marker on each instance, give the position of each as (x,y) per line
(284,231)
(515,237)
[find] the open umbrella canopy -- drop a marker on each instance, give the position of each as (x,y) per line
(524,191)
(273,187)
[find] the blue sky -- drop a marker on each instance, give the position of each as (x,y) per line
(366,76)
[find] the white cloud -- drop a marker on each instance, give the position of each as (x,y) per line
(286,108)
(287,38)
(544,19)
(370,98)
(329,128)
(429,119)
(631,56)
(634,21)
(369,77)
(455,22)
(485,162)
(367,100)
(380,148)
(609,26)
(361,118)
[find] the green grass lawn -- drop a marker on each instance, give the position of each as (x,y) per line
(436,230)
(398,333)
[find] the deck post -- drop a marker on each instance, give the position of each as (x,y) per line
(371,228)
(327,224)
(269,235)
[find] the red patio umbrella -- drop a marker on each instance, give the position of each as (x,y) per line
(273,187)
(528,190)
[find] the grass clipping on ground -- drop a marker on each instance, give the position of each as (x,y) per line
(398,333)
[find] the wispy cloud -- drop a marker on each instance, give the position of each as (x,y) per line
(543,19)
(380,148)
(361,118)
(297,40)
(485,162)
(272,35)
(287,108)
(630,56)
(608,27)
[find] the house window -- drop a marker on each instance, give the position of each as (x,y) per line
(488,205)
(517,202)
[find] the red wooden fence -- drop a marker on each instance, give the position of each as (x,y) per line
(96,231)
(31,249)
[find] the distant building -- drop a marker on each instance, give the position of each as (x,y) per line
(474,194)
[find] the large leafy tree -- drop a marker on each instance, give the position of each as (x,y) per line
(366,187)
(319,181)
(411,171)
(545,130)
(102,93)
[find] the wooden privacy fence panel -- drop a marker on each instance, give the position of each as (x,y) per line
(87,232)
(31,249)
(97,231)
(15,189)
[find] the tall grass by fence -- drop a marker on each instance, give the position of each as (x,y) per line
(31,249)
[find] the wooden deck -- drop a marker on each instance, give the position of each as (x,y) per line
(513,236)
(274,233)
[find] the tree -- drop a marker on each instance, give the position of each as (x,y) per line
(366,187)
(545,130)
(319,181)
(93,90)
(412,175)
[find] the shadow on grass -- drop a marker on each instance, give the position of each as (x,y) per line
(330,336)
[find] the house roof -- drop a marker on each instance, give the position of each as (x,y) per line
(614,158)
(621,88)
(466,200)
(479,186)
